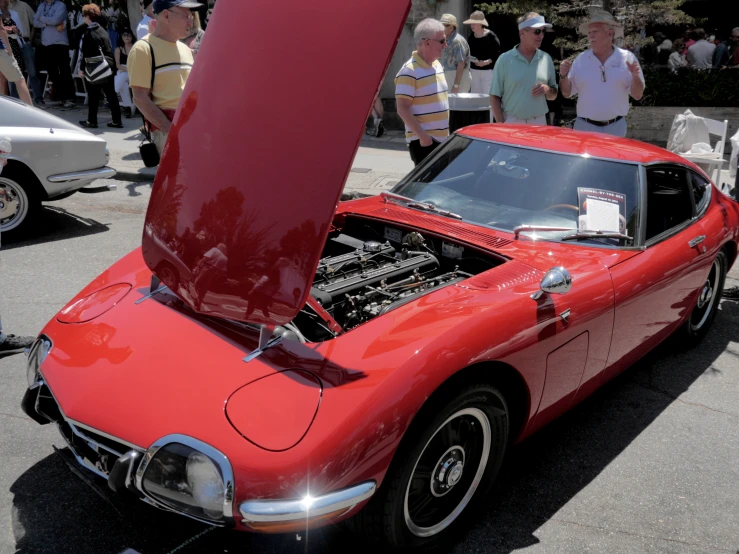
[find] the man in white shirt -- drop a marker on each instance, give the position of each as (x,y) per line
(143,27)
(603,78)
(700,54)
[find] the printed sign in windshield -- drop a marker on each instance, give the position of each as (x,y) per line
(601,210)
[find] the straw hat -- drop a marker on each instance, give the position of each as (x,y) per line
(602,16)
(477,18)
(448,19)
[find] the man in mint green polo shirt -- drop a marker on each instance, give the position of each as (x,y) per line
(523,78)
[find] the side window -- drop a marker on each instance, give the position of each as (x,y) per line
(668,199)
(701,191)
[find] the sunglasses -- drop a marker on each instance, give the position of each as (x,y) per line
(440,41)
(603,73)
(537,32)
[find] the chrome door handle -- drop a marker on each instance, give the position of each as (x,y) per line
(696,241)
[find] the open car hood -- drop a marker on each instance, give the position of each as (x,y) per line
(259,152)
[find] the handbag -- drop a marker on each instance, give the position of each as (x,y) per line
(147,149)
(97,68)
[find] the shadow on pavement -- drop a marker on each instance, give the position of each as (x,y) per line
(131,188)
(384,145)
(56,512)
(55,223)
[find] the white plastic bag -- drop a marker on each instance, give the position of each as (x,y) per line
(687,129)
(734,155)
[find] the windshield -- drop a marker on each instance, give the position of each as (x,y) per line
(503,186)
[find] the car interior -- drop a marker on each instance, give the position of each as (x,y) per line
(668,199)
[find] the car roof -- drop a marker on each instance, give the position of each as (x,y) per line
(567,141)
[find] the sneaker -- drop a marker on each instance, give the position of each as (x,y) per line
(69,105)
(731,293)
(14,345)
(87,125)
(115,125)
(380,128)
(39,103)
(126,111)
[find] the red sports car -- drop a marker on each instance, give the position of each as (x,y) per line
(270,362)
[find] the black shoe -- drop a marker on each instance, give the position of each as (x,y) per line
(39,103)
(69,105)
(115,125)
(87,125)
(14,345)
(126,111)
(731,293)
(380,129)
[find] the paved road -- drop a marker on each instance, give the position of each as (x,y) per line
(648,464)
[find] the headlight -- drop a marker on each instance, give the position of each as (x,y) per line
(39,350)
(188,480)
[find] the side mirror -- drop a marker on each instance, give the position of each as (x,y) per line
(557,281)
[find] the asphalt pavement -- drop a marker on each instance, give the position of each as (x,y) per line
(647,464)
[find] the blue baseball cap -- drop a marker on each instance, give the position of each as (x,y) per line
(161,5)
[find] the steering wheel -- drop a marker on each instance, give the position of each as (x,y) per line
(562,206)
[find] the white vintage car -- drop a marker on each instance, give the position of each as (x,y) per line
(51,159)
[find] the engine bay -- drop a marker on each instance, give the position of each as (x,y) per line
(369,268)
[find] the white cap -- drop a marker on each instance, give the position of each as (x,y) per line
(535,23)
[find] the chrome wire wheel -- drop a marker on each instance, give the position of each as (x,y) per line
(708,297)
(14,204)
(448,472)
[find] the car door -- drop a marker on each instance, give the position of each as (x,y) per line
(655,290)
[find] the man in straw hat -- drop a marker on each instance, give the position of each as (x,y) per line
(455,57)
(484,52)
(421,92)
(524,78)
(603,78)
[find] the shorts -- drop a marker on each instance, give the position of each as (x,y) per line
(9,67)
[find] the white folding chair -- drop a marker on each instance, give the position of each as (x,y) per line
(720,129)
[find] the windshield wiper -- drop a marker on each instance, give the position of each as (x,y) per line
(596,235)
(530,228)
(433,209)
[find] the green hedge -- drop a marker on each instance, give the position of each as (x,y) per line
(690,88)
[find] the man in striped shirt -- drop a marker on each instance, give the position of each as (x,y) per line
(421,92)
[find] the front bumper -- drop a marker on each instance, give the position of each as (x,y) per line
(88,175)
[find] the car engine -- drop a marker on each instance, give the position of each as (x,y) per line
(361,276)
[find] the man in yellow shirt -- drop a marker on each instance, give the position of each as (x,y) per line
(172,64)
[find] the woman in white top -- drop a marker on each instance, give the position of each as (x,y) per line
(121,83)
(677,60)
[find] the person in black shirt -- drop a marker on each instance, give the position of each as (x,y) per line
(484,52)
(95,43)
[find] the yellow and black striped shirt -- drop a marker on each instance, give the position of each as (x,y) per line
(427,89)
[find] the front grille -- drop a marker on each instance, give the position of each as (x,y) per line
(93,450)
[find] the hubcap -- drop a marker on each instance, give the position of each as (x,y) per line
(448,472)
(707,298)
(13,204)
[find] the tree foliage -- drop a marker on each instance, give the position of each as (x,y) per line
(634,15)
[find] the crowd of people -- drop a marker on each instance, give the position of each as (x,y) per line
(65,43)
(694,49)
(519,81)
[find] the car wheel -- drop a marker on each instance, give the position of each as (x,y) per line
(705,310)
(451,461)
(168,274)
(19,202)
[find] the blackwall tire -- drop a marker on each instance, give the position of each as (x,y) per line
(20,203)
(701,318)
(446,463)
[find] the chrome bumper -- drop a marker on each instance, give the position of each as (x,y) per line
(305,508)
(89,175)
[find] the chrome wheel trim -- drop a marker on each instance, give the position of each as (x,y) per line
(482,419)
(13,204)
(708,296)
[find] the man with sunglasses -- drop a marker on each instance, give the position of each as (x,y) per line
(173,61)
(524,77)
(421,92)
(603,78)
